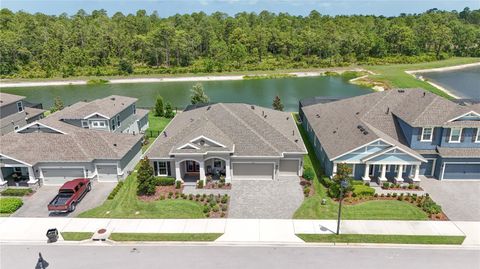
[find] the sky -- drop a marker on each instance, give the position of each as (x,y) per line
(295,7)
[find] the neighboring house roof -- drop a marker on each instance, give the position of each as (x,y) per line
(242,129)
(32,112)
(6,98)
(338,124)
(107,107)
(458,152)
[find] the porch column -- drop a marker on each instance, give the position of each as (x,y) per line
(178,175)
(384,172)
(31,176)
(366,176)
(228,177)
(334,172)
(202,171)
(416,177)
(2,181)
(399,177)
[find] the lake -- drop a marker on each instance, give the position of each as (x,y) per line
(464,83)
(256,91)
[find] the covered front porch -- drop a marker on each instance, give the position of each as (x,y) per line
(16,174)
(394,173)
(192,170)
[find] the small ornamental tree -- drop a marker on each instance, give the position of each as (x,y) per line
(277,103)
(159,112)
(145,178)
(198,95)
(125,67)
(169,111)
(57,104)
(343,174)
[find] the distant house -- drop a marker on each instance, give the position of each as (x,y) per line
(236,141)
(396,135)
(16,113)
(98,140)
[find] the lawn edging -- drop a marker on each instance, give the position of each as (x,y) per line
(76,236)
(177,237)
(383,239)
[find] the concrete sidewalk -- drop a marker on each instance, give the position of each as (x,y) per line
(234,230)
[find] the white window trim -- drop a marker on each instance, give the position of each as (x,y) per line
(98,125)
(20,108)
(118,121)
(477,139)
(459,135)
(84,124)
(158,168)
(423,133)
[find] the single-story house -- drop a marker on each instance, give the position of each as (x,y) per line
(237,141)
(396,135)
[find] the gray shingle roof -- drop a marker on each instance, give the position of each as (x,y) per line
(337,122)
(459,152)
(108,106)
(248,130)
(7,98)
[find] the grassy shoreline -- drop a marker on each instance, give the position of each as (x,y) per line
(382,239)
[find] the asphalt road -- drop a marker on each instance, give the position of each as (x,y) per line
(233,257)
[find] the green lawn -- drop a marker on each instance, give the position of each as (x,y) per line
(155,126)
(126,205)
(76,236)
(395,76)
(386,239)
(311,208)
(164,236)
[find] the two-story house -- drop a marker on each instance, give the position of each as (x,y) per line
(98,140)
(14,113)
(396,135)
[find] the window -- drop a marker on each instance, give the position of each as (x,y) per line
(477,139)
(84,124)
(162,168)
(17,169)
(20,106)
(403,169)
(427,134)
(217,163)
(134,109)
(118,121)
(113,125)
(455,135)
(98,124)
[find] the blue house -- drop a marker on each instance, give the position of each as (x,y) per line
(396,135)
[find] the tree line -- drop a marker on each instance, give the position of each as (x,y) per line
(39,45)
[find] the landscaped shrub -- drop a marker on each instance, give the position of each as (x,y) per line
(224,207)
(327,182)
(308,173)
(354,182)
(200,184)
(306,191)
(215,208)
(178,184)
(224,199)
(394,194)
(430,206)
(10,204)
(410,186)
(206,209)
(165,181)
(362,190)
(16,192)
(386,185)
(115,190)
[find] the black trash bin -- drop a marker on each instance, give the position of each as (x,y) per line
(52,235)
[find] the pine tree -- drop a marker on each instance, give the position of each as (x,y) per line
(198,95)
(159,112)
(145,178)
(169,111)
(277,103)
(57,104)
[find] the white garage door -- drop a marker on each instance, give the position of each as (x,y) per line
(107,173)
(58,176)
(289,167)
(252,171)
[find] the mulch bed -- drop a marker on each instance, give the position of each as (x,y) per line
(402,189)
(162,191)
(307,184)
(216,185)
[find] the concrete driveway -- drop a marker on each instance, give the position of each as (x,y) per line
(36,205)
(265,199)
(460,200)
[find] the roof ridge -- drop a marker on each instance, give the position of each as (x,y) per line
(246,124)
(435,98)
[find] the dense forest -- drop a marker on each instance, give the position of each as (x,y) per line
(39,45)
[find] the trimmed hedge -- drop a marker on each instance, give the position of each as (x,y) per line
(165,181)
(115,190)
(16,192)
(362,190)
(308,173)
(10,205)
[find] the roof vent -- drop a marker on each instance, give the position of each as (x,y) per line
(424,93)
(388,110)
(334,131)
(288,118)
(357,113)
(401,91)
(318,115)
(115,144)
(265,116)
(165,134)
(359,126)
(296,140)
(208,108)
(113,98)
(252,107)
(293,132)
(365,132)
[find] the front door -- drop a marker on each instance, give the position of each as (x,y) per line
(192,166)
(372,170)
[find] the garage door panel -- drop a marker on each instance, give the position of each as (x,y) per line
(253,170)
(289,167)
(58,176)
(461,171)
(107,173)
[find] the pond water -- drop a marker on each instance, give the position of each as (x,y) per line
(259,91)
(464,83)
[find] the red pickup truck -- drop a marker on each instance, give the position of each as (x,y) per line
(69,195)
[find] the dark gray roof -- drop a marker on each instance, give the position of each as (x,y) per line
(458,152)
(318,100)
(108,106)
(243,129)
(7,98)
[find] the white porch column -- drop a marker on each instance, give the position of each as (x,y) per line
(416,176)
(366,176)
(202,171)
(31,176)
(334,172)
(228,177)
(178,175)
(399,177)
(384,172)
(3,182)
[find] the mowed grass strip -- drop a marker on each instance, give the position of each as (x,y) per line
(199,237)
(76,236)
(382,239)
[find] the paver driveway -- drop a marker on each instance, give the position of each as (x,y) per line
(36,205)
(265,199)
(460,200)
